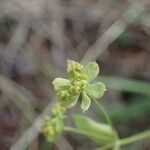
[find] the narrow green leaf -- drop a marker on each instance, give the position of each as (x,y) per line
(86,101)
(92,70)
(126,84)
(99,132)
(96,90)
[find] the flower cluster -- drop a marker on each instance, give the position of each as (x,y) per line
(53,126)
(69,91)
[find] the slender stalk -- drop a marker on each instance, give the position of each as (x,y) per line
(135,138)
(128,140)
(104,113)
(106,117)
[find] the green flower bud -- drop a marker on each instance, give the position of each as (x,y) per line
(74,69)
(84,76)
(49,132)
(63,94)
(46,118)
(53,125)
(73,66)
(58,110)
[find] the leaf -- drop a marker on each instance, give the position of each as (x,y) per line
(96,90)
(70,102)
(86,101)
(60,83)
(126,84)
(92,70)
(99,132)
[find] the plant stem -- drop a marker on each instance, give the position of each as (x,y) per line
(128,140)
(107,118)
(105,115)
(135,138)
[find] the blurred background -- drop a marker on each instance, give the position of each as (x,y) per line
(36,39)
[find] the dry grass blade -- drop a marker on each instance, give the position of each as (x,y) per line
(114,31)
(20,97)
(31,133)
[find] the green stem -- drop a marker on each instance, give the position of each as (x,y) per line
(104,113)
(107,118)
(128,140)
(135,138)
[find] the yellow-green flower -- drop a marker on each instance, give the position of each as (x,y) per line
(49,131)
(58,110)
(69,91)
(53,125)
(74,68)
